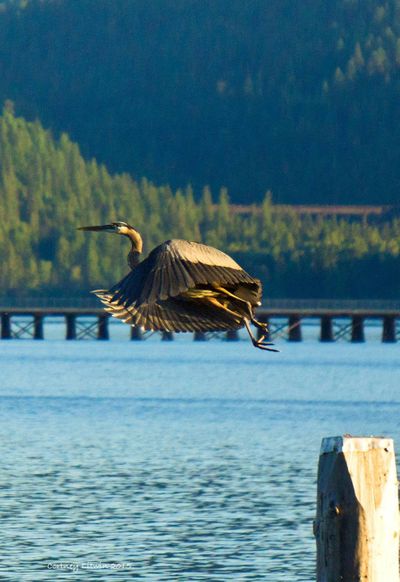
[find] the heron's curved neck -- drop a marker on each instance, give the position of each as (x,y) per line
(133,258)
(135,238)
(136,248)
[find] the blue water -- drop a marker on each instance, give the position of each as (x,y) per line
(176,461)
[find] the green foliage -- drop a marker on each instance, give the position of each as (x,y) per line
(47,190)
(299,96)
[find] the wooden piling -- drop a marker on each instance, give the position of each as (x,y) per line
(357,329)
(102,327)
(326,334)
(232,335)
(38,326)
(357,524)
(136,334)
(70,321)
(167,336)
(389,329)
(294,331)
(199,336)
(5,326)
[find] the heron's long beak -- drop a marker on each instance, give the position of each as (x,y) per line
(112,228)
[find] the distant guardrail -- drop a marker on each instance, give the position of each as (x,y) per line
(335,304)
(322,210)
(90,302)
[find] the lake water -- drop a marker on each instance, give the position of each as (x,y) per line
(176,460)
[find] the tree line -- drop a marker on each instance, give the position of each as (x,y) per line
(47,190)
(297,96)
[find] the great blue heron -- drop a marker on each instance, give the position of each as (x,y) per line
(183,286)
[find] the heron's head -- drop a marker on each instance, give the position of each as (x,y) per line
(119,228)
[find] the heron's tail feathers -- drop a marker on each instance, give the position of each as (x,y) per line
(171,315)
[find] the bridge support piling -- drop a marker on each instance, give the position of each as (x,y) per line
(199,336)
(389,329)
(357,329)
(326,329)
(232,335)
(136,334)
(167,336)
(38,326)
(294,330)
(5,326)
(102,327)
(70,321)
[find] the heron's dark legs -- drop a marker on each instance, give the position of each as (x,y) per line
(259,343)
(247,306)
(262,326)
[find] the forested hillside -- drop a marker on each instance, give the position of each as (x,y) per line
(47,190)
(297,96)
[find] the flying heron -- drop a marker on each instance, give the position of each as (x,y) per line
(183,286)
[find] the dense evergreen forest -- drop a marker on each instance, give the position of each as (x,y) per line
(47,190)
(297,96)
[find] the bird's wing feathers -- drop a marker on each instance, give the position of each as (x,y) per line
(174,267)
(170,315)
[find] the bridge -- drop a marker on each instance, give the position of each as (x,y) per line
(85,319)
(352,211)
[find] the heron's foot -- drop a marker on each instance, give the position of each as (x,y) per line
(260,343)
(264,345)
(263,337)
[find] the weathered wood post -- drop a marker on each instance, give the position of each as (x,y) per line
(357,524)
(5,326)
(167,336)
(232,335)
(199,336)
(38,326)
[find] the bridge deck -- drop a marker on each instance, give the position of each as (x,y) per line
(291,311)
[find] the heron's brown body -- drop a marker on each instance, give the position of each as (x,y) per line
(182,286)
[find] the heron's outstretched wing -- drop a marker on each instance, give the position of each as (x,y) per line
(171,315)
(176,266)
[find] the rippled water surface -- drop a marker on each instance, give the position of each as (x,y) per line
(176,460)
